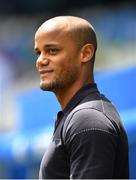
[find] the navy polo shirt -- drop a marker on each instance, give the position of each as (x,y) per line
(89,140)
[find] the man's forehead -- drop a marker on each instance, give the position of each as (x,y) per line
(53,30)
(53,26)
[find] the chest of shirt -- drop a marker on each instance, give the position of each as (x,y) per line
(55,162)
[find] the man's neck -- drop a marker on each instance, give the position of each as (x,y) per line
(66,94)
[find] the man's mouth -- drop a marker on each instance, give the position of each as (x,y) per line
(45,72)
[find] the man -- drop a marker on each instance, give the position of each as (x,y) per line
(89,140)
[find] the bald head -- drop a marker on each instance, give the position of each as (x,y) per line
(81,30)
(66,47)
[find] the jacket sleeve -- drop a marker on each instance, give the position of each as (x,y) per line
(92,144)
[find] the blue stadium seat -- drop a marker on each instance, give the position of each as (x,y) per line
(119,86)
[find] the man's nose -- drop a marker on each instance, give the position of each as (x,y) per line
(42,61)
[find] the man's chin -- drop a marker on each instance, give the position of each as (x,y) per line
(48,86)
(54,86)
(45,87)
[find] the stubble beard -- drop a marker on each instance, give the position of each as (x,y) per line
(66,79)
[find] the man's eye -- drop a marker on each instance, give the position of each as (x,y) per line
(53,51)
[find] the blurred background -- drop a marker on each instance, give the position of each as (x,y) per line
(26,113)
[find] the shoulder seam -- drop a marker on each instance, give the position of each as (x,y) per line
(94,129)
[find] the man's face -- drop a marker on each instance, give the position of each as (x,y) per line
(58,59)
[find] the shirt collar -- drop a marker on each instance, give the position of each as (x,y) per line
(84,91)
(75,100)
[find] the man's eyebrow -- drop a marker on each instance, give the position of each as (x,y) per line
(47,46)
(50,45)
(36,49)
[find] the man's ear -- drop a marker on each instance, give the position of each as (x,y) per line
(87,52)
